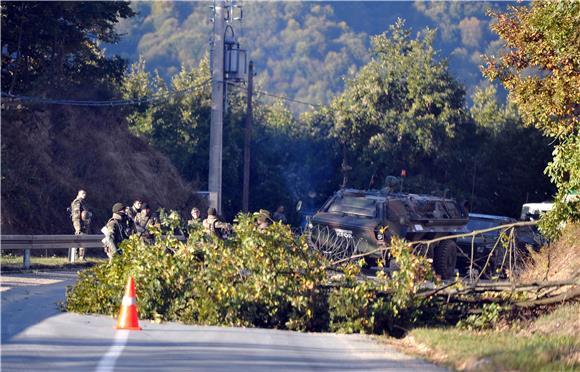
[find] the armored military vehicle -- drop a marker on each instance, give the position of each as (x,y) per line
(360,221)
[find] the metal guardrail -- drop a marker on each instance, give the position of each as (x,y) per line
(30,242)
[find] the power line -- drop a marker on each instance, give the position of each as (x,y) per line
(316,105)
(110,103)
(285,98)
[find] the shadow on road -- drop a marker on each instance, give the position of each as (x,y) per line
(27,299)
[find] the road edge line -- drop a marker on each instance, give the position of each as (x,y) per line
(107,362)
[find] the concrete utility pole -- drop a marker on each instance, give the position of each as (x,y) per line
(217,109)
(248,140)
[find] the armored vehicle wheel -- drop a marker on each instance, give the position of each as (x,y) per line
(445,258)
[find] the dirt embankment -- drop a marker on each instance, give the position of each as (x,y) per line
(557,261)
(49,153)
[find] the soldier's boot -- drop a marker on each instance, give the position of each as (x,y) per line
(81,254)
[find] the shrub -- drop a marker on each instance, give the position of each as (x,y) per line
(486,319)
(253,279)
(386,304)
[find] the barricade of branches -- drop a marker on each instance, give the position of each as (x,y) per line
(491,276)
(270,278)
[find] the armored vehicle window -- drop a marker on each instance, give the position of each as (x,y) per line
(353,205)
(453,209)
(483,223)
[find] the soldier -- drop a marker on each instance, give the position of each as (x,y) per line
(195,217)
(264,219)
(279,215)
(116,230)
(81,217)
(134,210)
(213,226)
(143,220)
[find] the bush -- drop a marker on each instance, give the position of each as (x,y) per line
(385,304)
(487,319)
(253,279)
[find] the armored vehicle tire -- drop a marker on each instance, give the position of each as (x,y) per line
(445,259)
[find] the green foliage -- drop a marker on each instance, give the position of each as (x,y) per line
(48,46)
(540,70)
(506,157)
(179,126)
(265,279)
(254,278)
(386,304)
(403,97)
(487,319)
(402,110)
(300,49)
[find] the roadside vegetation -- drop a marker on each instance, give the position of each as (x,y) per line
(492,337)
(254,279)
(11,262)
(550,343)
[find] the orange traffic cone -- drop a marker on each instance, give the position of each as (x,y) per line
(128,314)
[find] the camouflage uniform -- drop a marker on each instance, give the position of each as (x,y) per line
(193,222)
(117,227)
(77,207)
(80,225)
(213,226)
(142,223)
(264,219)
(133,213)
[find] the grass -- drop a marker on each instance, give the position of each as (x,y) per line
(549,343)
(9,262)
(492,351)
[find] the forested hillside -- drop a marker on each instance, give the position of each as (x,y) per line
(306,49)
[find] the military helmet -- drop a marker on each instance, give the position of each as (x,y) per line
(264,215)
(212,211)
(118,207)
(86,216)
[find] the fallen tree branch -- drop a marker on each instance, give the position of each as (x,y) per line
(474,233)
(569,295)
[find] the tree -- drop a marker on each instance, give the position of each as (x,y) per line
(541,70)
(177,121)
(401,110)
(49,45)
(508,157)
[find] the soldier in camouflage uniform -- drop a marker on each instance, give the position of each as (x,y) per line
(213,226)
(117,230)
(81,217)
(143,220)
(264,219)
(135,209)
(195,217)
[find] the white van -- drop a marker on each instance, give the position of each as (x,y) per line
(533,211)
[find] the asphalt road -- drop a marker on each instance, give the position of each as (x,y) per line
(36,336)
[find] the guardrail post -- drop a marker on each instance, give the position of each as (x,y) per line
(26,259)
(72,255)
